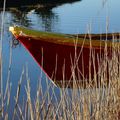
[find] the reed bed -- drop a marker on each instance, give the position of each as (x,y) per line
(94,102)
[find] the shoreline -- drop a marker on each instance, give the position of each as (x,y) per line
(36,3)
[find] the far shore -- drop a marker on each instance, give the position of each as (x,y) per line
(34,3)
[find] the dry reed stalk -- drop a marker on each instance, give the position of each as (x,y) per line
(8,85)
(37,105)
(6,116)
(17,95)
(1,66)
(29,100)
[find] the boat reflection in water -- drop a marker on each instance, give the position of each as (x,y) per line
(68,59)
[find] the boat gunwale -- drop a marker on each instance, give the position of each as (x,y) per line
(64,39)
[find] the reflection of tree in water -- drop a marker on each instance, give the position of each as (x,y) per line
(20,17)
(43,9)
(48,19)
(45,18)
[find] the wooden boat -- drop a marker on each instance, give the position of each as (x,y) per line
(64,57)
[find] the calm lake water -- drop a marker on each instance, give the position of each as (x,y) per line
(78,17)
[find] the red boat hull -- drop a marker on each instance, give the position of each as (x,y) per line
(62,62)
(67,58)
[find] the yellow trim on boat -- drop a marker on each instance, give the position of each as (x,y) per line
(62,38)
